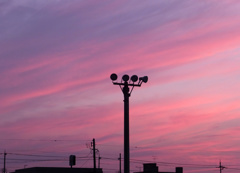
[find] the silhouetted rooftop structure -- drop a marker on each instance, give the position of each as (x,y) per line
(153,168)
(57,170)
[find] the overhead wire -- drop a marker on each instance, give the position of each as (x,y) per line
(87,158)
(35,155)
(52,140)
(107,158)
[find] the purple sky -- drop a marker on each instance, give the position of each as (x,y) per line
(56,58)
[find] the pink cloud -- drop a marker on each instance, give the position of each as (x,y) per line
(57,62)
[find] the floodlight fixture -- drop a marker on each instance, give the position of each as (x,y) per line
(125,78)
(134,78)
(113,77)
(144,79)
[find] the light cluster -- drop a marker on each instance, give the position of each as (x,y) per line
(134,78)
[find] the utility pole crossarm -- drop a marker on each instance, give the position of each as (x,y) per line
(221,167)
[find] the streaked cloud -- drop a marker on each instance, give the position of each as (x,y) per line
(56,58)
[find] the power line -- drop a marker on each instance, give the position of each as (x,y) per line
(189,165)
(34,155)
(57,158)
(48,140)
(173,163)
(114,159)
(86,160)
(234,168)
(24,159)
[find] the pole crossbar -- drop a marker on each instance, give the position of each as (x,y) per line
(115,83)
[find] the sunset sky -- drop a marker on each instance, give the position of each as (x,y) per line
(56,58)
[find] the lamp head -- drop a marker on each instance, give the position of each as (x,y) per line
(134,78)
(125,78)
(113,77)
(144,79)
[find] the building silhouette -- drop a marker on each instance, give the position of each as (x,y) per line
(153,168)
(57,170)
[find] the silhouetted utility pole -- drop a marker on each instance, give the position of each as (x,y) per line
(94,155)
(120,166)
(4,166)
(221,167)
(127,93)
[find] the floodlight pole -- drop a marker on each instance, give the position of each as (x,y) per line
(126,127)
(127,94)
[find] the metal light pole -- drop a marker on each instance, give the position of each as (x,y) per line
(124,85)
